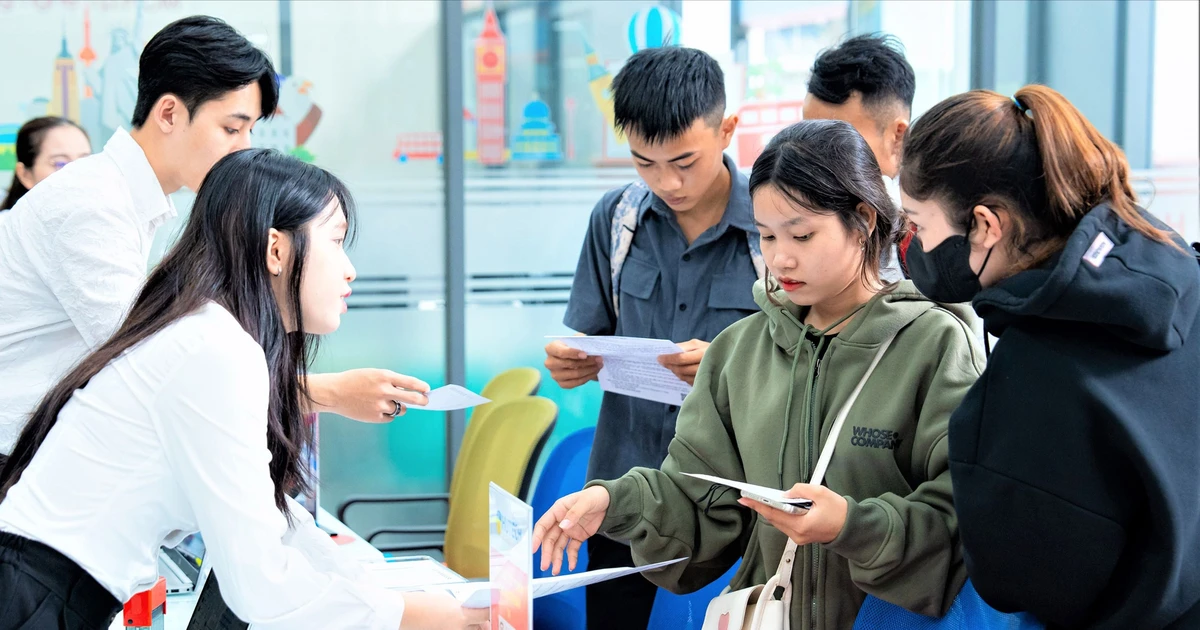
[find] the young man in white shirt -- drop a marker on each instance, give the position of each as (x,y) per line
(74,251)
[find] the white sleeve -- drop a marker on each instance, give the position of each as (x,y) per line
(212,419)
(316,545)
(94,265)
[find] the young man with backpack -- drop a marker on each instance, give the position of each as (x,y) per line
(673,256)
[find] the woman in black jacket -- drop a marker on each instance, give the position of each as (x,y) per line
(1074,457)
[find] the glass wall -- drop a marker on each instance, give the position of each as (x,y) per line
(374,72)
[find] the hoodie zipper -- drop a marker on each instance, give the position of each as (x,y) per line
(816,557)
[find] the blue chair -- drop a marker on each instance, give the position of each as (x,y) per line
(565,472)
(968,612)
(686,612)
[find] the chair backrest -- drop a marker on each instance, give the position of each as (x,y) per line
(505,452)
(514,383)
(504,387)
(564,472)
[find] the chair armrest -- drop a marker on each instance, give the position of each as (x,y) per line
(419,529)
(414,546)
(388,498)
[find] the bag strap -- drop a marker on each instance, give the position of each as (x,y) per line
(621,229)
(623,225)
(784,573)
(756,256)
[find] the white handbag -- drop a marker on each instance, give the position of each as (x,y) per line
(758,607)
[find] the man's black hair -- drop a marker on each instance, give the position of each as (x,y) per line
(201,59)
(661,92)
(872,65)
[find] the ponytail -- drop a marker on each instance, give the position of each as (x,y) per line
(1033,154)
(15,192)
(1083,169)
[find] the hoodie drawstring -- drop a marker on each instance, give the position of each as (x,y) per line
(813,362)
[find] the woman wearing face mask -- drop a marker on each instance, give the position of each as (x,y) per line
(190,418)
(1074,456)
(767,395)
(44,146)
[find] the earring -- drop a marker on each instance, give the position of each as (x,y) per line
(277,272)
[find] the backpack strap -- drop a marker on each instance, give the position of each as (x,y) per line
(756,257)
(624,224)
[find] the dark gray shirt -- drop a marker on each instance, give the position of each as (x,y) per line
(668,290)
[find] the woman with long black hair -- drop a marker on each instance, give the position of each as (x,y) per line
(190,418)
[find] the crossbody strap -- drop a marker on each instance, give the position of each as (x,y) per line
(784,573)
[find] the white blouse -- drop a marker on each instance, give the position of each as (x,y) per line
(171,438)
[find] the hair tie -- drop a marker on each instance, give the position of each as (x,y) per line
(1020,107)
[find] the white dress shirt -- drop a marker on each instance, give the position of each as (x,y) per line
(889,268)
(73,255)
(171,438)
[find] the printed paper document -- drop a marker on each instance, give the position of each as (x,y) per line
(631,367)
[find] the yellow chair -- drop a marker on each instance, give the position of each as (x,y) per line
(507,444)
(504,387)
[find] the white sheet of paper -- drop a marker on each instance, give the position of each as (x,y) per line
(450,398)
(621,346)
(410,574)
(559,583)
(631,367)
(762,491)
(478,594)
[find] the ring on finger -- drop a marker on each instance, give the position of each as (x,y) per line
(398,410)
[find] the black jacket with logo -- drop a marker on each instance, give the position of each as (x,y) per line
(1075,458)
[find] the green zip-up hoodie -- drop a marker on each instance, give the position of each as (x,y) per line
(760,411)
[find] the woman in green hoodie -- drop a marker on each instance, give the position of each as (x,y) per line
(768,392)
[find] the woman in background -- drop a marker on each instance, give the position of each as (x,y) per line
(44,146)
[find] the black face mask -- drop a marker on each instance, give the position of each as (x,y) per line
(944,274)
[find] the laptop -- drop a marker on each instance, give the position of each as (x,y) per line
(181,565)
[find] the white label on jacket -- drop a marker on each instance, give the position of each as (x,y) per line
(1099,250)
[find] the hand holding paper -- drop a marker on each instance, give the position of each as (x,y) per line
(686,364)
(571,367)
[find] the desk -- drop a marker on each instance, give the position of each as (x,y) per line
(179,607)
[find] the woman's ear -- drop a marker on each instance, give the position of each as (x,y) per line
(989,226)
(869,216)
(279,249)
(24,175)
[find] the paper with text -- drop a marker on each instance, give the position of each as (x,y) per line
(631,367)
